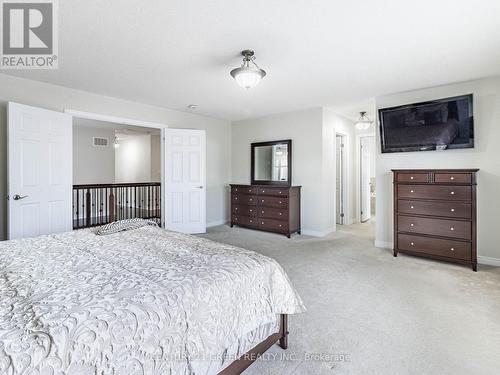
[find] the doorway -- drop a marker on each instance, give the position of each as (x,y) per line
(367,178)
(340,179)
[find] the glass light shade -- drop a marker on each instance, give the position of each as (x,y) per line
(247,76)
(363,124)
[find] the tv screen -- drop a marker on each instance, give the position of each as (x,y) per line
(435,125)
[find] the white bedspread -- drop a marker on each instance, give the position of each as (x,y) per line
(147,301)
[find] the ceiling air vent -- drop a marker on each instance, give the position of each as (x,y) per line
(100,142)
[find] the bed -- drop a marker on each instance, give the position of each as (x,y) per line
(144,301)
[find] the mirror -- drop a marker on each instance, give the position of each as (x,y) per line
(271,163)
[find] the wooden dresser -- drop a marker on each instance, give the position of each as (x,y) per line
(264,207)
(435,214)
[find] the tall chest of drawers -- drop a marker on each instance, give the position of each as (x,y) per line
(264,207)
(435,214)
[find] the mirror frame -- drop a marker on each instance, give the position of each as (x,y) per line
(288,142)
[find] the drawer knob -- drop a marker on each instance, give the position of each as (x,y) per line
(235,219)
(412,225)
(262,211)
(411,178)
(251,199)
(249,190)
(452,228)
(452,178)
(280,202)
(262,200)
(280,225)
(452,210)
(236,198)
(452,193)
(280,192)
(411,191)
(281,214)
(412,207)
(251,210)
(236,208)
(251,221)
(452,249)
(262,222)
(235,189)
(412,244)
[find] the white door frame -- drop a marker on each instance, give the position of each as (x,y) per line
(131,122)
(344,194)
(358,171)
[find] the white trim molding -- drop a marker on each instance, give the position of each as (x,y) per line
(489,261)
(114,119)
(217,223)
(316,233)
(384,244)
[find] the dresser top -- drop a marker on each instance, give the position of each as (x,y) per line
(473,170)
(269,186)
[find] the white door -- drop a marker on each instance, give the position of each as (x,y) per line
(40,168)
(339,152)
(366,154)
(185,180)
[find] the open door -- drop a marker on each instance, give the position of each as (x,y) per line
(185,180)
(366,155)
(40,175)
(339,180)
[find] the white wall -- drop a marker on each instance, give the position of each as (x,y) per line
(155,158)
(91,164)
(485,155)
(133,159)
(58,98)
(312,132)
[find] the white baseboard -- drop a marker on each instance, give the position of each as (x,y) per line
(489,261)
(316,233)
(383,244)
(216,223)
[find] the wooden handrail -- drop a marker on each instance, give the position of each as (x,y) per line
(102,186)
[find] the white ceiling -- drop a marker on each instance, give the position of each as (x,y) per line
(316,52)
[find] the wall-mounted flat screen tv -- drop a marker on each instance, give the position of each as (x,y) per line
(434,125)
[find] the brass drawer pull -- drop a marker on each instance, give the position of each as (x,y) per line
(452,210)
(412,244)
(452,178)
(452,228)
(411,191)
(411,178)
(412,225)
(452,193)
(452,249)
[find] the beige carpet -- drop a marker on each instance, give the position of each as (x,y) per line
(370,313)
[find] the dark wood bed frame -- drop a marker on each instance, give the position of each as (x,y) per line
(242,363)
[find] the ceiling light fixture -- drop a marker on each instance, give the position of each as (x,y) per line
(249,74)
(364,122)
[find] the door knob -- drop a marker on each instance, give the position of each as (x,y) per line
(17,197)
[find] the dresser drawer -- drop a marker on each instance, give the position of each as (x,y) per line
(434,246)
(453,178)
(431,208)
(274,191)
(270,224)
(244,189)
(278,202)
(412,177)
(244,199)
(436,227)
(273,213)
(244,210)
(245,220)
(435,192)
